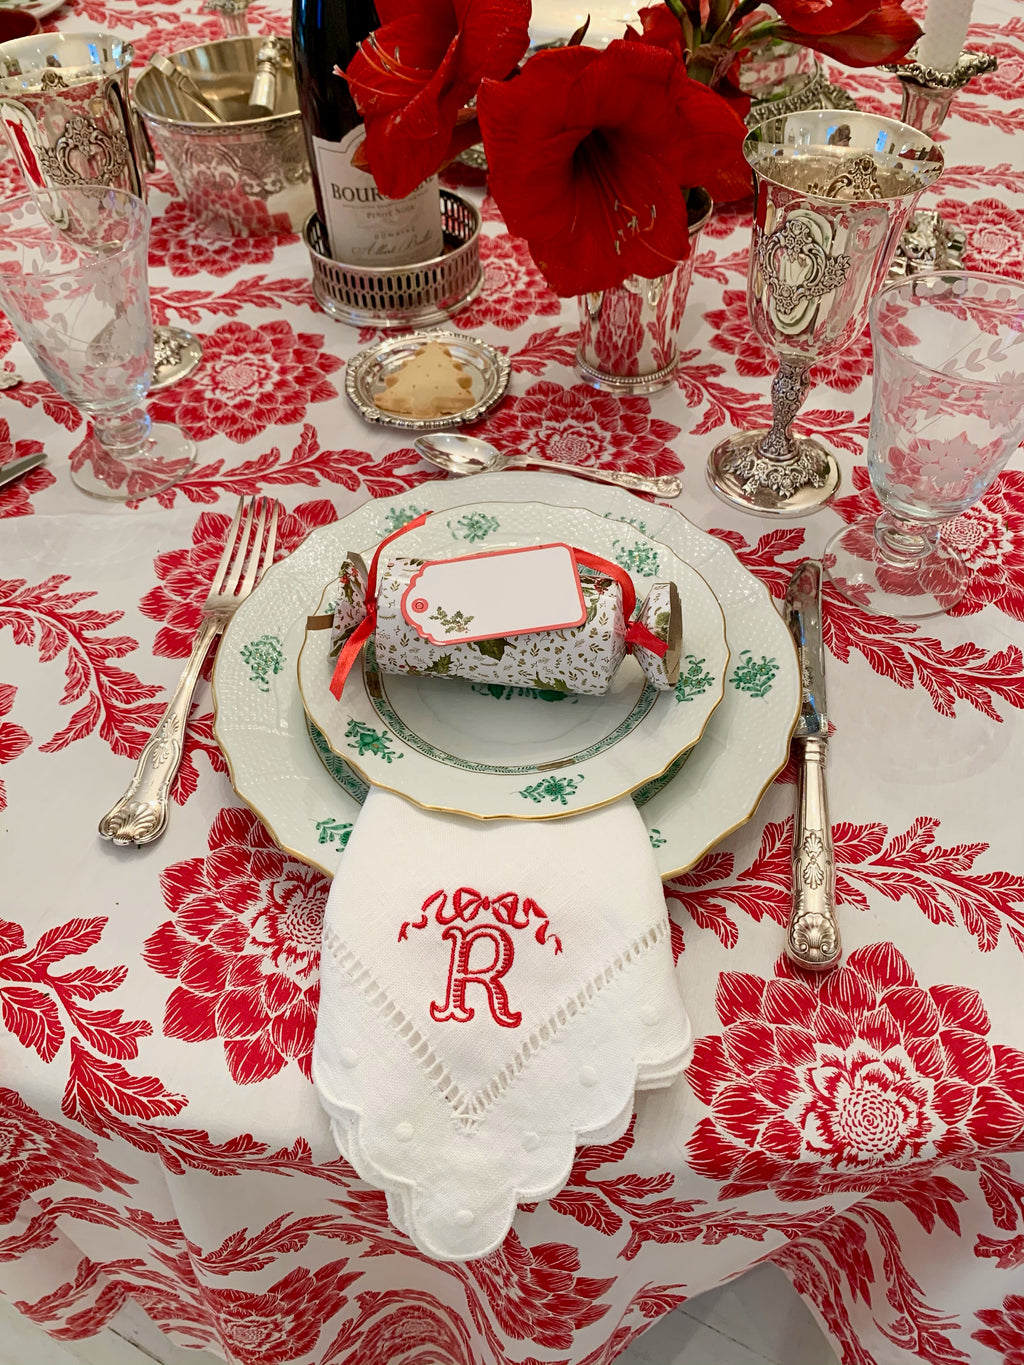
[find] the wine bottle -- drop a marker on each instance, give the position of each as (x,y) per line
(363,226)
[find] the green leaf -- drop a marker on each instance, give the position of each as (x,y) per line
(591,600)
(493,649)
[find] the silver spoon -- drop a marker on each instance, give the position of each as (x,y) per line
(460,454)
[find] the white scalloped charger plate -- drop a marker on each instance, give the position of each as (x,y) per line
(447,744)
(309,802)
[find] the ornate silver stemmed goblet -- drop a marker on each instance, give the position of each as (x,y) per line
(833,191)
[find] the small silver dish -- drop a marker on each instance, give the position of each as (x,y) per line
(367,373)
(248,175)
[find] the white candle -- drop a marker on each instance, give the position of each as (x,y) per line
(945,28)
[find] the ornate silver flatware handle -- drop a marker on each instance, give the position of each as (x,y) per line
(141,814)
(812,939)
(664,486)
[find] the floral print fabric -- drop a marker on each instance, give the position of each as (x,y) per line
(159,1137)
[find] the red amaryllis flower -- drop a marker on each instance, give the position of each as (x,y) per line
(412,76)
(855,32)
(591,153)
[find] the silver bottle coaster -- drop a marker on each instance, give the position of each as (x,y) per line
(176,353)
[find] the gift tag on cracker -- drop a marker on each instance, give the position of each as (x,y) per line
(496,593)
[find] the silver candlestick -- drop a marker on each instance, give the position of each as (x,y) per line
(931,243)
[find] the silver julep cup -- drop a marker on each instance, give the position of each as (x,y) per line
(629,336)
(64,106)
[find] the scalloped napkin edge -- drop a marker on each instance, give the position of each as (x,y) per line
(490,1001)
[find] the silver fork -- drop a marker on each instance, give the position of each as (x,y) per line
(141,814)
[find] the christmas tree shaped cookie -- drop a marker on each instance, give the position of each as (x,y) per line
(429,384)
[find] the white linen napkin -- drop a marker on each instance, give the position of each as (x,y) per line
(492,994)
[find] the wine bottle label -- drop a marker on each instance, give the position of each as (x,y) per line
(364,227)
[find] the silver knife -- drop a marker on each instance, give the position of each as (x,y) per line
(812,939)
(14,470)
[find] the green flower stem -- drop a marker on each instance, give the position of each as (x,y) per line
(768,29)
(720,17)
(685,23)
(709,63)
(744,8)
(700,69)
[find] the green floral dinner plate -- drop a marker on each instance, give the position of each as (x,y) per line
(472,748)
(309,800)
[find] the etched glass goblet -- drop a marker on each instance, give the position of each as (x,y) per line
(833,191)
(947,413)
(73,284)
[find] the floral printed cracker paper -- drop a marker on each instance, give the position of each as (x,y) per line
(580,660)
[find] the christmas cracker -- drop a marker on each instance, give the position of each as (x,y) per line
(583,659)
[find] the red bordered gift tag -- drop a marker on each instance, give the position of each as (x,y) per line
(495,593)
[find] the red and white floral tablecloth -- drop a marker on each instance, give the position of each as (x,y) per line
(159,1136)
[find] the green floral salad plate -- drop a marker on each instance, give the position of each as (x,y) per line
(285,770)
(519,753)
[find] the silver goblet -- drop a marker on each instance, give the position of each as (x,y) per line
(833,191)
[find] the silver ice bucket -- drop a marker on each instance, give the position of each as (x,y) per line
(246,176)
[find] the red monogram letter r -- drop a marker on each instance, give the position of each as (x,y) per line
(460,975)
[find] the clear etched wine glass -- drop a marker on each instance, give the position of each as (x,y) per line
(947,413)
(73,284)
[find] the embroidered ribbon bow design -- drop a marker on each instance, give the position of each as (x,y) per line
(466,904)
